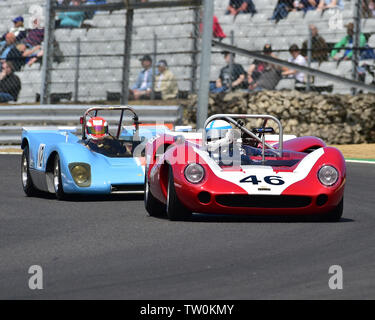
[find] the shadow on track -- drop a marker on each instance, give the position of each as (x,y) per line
(92,198)
(264,219)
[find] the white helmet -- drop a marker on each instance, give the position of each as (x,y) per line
(217,129)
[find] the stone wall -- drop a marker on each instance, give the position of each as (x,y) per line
(337,119)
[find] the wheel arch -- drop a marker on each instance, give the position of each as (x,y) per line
(24,143)
(50,161)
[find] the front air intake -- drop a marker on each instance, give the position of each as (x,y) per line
(262,201)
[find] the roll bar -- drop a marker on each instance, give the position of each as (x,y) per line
(230,118)
(107,108)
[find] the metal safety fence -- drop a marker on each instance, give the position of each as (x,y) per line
(98,51)
(14,118)
(331,36)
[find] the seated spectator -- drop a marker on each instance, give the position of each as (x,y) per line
(367,8)
(268,80)
(90,14)
(143,86)
(330,4)
(237,78)
(264,76)
(9,52)
(319,46)
(18,29)
(371,9)
(71,19)
(165,82)
(240,6)
(347,43)
(296,58)
(34,36)
(7,45)
(29,56)
(282,9)
(10,84)
(306,5)
(258,66)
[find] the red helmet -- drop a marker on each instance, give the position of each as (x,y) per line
(97,128)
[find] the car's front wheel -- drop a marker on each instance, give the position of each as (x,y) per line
(175,209)
(336,214)
(57,181)
(153,206)
(27,183)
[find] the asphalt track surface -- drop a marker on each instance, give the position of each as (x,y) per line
(101,248)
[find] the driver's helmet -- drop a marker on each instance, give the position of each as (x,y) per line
(97,128)
(217,129)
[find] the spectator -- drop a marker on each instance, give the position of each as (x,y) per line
(296,58)
(29,56)
(368,7)
(306,5)
(165,82)
(282,9)
(258,66)
(10,84)
(319,46)
(330,4)
(18,29)
(90,14)
(371,8)
(240,6)
(71,19)
(34,36)
(268,80)
(143,86)
(237,78)
(7,45)
(347,43)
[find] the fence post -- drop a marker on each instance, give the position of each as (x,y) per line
(231,61)
(356,42)
(76,74)
(45,90)
(154,54)
(126,58)
(204,76)
(309,58)
(194,53)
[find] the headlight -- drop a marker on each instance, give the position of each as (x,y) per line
(81,174)
(328,175)
(194,173)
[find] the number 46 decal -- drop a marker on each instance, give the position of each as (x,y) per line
(274,180)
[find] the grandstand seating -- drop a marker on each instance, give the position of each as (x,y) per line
(103,44)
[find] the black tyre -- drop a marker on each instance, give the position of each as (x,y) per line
(57,182)
(27,183)
(153,206)
(336,214)
(176,211)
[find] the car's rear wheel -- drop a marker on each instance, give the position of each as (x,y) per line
(57,181)
(27,183)
(336,214)
(153,206)
(175,209)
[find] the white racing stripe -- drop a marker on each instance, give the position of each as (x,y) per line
(261,172)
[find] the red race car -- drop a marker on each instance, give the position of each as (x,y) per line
(236,167)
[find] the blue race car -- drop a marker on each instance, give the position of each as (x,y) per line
(60,162)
